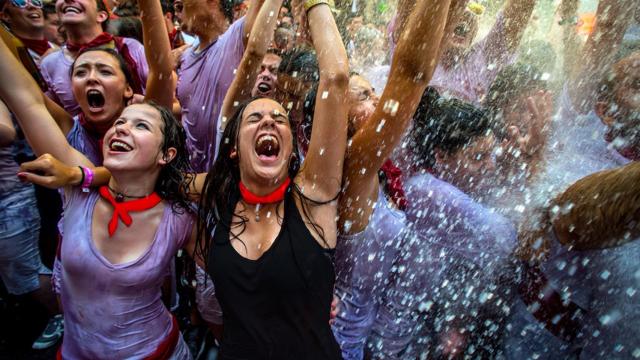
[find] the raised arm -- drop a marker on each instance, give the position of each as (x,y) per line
(321,172)
(261,35)
(251,16)
(413,65)
(23,96)
(516,15)
(601,210)
(161,80)
(598,54)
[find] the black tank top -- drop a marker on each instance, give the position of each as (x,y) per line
(275,307)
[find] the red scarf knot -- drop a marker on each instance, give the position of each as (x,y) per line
(121,209)
(274,197)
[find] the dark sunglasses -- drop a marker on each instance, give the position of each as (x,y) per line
(24,3)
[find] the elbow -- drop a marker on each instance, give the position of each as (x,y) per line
(337,79)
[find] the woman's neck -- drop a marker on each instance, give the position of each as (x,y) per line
(132,183)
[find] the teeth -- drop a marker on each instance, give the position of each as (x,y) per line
(264,138)
(71,9)
(119,145)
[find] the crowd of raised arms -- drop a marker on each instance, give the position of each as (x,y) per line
(304,179)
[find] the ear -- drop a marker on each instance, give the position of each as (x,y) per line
(102,16)
(168,156)
(128,92)
(233,154)
(602,110)
(168,16)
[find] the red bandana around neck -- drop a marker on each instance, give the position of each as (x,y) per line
(39,46)
(121,209)
(123,49)
(274,197)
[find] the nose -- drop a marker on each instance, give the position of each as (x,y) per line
(122,128)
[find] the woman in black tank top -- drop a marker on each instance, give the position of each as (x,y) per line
(267,226)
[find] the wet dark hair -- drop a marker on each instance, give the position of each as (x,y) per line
(121,62)
(443,124)
(127,8)
(301,61)
(222,183)
(512,82)
(177,175)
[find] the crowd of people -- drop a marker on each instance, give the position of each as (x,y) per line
(270,179)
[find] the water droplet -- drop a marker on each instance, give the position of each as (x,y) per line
(380,125)
(325,94)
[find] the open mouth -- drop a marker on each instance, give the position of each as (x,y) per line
(264,87)
(95,99)
(70,10)
(34,16)
(119,146)
(267,147)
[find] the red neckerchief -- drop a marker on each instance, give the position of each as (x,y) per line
(121,209)
(123,49)
(172,37)
(274,197)
(393,184)
(39,46)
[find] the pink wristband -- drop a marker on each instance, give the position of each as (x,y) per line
(88,178)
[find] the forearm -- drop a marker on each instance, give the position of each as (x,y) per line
(23,96)
(569,13)
(598,54)
(323,164)
(161,80)
(257,47)
(411,70)
(600,210)
(456,10)
(250,18)
(516,18)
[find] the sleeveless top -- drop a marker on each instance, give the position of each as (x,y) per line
(275,307)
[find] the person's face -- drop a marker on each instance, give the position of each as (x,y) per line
(473,166)
(362,102)
(197,13)
(355,25)
(266,82)
(178,10)
(265,143)
(623,118)
(463,34)
(100,87)
(51,26)
(25,19)
(516,112)
(134,142)
(71,12)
